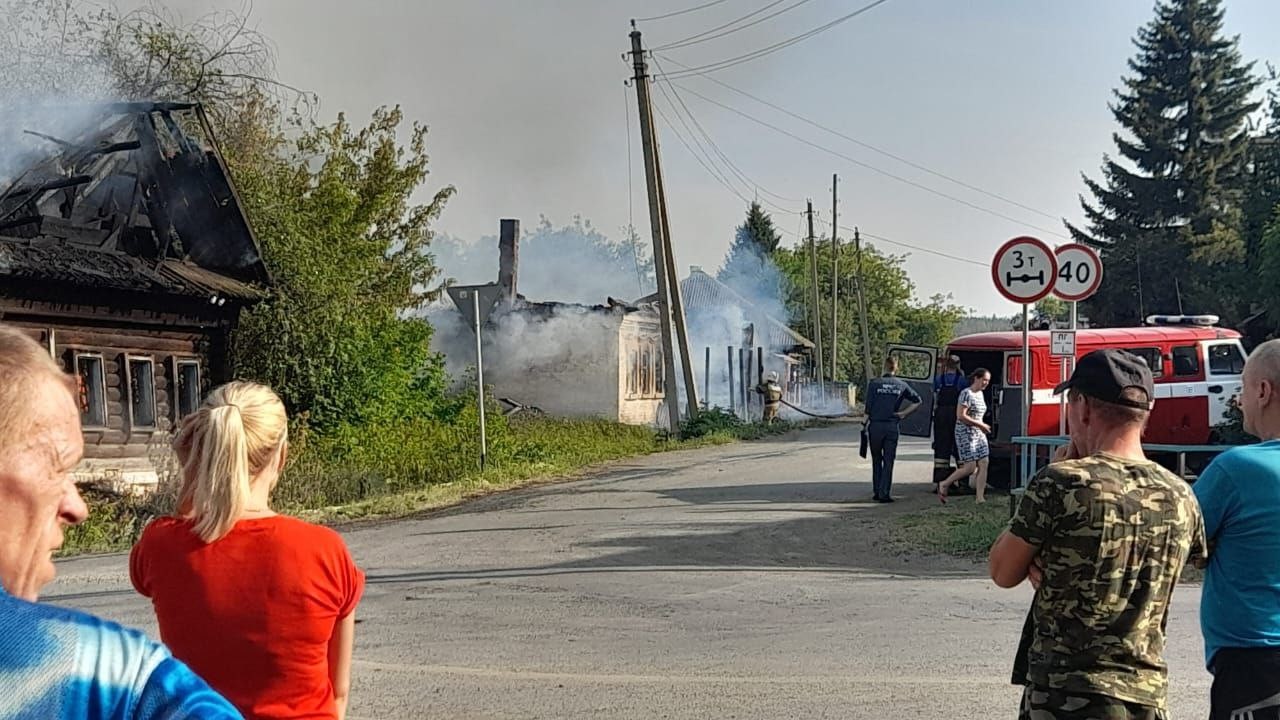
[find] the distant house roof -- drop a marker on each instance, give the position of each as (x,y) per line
(701,291)
(139,201)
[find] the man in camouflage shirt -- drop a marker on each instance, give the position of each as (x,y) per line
(1103,534)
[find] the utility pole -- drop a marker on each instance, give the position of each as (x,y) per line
(835,279)
(862,308)
(674,294)
(661,272)
(815,315)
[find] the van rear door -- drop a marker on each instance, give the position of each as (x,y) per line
(916,367)
(1224,378)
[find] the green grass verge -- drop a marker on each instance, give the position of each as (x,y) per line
(961,528)
(413,468)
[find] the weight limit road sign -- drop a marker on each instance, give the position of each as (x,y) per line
(1024,270)
(1079,272)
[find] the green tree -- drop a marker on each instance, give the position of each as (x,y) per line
(1175,208)
(747,267)
(893,313)
(348,250)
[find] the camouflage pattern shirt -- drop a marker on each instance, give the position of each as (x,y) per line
(1113,535)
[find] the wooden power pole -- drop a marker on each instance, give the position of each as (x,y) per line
(674,295)
(862,309)
(835,279)
(815,307)
(662,273)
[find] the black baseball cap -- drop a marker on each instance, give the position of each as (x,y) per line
(1106,374)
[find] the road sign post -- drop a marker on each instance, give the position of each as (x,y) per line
(1079,276)
(1024,270)
(476,302)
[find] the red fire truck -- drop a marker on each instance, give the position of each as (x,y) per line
(1197,368)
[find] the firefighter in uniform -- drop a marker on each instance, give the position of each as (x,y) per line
(771,392)
(946,394)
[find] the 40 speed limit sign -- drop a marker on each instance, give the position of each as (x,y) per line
(1079,272)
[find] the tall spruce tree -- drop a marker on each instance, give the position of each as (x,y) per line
(748,267)
(1169,221)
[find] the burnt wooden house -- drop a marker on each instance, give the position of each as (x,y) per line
(125,250)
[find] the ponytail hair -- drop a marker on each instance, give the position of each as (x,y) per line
(234,435)
(978,373)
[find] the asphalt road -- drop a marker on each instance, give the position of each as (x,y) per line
(737,582)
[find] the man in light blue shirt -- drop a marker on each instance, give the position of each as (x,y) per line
(58,664)
(1239,495)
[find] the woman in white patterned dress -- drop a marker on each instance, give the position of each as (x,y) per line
(971,437)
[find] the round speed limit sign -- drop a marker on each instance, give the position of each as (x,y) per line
(1079,272)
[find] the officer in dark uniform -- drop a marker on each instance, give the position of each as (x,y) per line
(888,400)
(946,395)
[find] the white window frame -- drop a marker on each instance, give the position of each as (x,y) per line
(102,363)
(129,360)
(178,362)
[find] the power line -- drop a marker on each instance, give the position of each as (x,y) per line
(724,158)
(748,16)
(875,149)
(681,12)
(868,166)
(939,253)
(696,40)
(631,195)
(707,165)
(724,64)
(711,170)
(714,174)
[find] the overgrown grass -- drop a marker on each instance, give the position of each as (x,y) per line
(409,467)
(961,528)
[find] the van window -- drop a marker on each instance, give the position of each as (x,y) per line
(1186,361)
(1225,360)
(1013,373)
(1153,358)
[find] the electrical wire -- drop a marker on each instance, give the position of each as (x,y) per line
(731,23)
(939,253)
(868,166)
(875,149)
(686,11)
(708,164)
(631,195)
(716,148)
(714,174)
(692,41)
(748,57)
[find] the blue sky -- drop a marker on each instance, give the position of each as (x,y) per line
(526,107)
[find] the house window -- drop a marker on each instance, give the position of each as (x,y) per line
(142,392)
(1186,361)
(1152,357)
(659,375)
(91,382)
(633,372)
(188,391)
(646,372)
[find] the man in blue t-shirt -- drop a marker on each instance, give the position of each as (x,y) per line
(888,400)
(58,664)
(1239,495)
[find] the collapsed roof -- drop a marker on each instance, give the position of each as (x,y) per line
(137,200)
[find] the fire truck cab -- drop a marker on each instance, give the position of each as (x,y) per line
(1196,365)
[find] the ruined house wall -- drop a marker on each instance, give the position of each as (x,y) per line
(566,365)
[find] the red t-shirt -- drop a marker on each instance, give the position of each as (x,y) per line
(252,613)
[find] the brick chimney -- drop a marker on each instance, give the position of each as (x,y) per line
(509,259)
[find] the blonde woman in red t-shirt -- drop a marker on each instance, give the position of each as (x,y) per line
(260,605)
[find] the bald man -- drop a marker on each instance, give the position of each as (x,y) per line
(57,663)
(1239,494)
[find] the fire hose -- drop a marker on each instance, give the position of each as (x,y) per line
(816,415)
